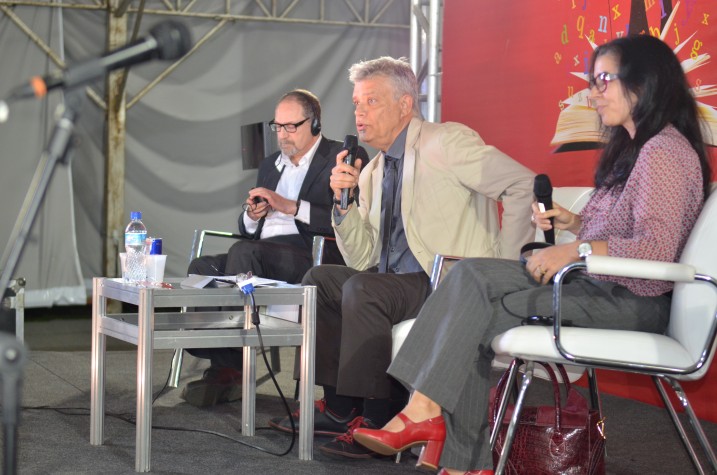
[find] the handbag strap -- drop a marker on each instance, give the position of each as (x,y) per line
(531,246)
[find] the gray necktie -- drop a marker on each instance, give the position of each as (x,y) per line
(390,180)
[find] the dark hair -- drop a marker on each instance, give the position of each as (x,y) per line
(649,69)
(309,102)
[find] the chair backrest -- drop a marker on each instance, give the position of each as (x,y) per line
(199,237)
(319,255)
(694,305)
(572,198)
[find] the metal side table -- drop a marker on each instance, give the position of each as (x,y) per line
(150,329)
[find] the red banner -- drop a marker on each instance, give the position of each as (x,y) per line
(516,73)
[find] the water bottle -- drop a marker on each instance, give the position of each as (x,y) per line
(134,242)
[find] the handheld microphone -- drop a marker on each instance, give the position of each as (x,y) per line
(350,144)
(543,191)
(166,40)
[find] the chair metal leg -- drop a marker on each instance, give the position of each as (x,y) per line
(513,426)
(694,421)
(595,401)
(275,359)
(504,398)
(176,368)
(274,364)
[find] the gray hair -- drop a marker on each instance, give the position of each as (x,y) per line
(397,70)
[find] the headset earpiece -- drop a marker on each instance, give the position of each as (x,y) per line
(315,126)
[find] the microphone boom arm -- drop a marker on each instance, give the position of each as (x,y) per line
(56,151)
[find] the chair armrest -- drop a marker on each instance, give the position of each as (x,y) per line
(640,268)
(623,267)
(198,241)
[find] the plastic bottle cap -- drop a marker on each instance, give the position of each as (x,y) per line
(4,111)
(135,215)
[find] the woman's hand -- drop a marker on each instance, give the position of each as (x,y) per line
(545,263)
(562,218)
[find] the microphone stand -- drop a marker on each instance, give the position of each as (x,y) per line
(12,360)
(12,352)
(54,153)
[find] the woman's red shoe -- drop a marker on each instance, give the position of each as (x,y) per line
(431,432)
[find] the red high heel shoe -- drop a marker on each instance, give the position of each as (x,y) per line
(431,432)
(471,472)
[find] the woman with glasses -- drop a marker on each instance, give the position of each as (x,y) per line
(650,184)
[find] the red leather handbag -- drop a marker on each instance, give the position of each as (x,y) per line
(558,439)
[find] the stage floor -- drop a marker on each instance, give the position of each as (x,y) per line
(55,425)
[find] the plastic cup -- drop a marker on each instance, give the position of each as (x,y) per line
(155,267)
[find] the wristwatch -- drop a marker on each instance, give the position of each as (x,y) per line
(585,249)
(349,201)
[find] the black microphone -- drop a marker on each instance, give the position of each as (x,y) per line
(350,144)
(166,40)
(543,191)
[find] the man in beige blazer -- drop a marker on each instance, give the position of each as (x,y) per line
(433,188)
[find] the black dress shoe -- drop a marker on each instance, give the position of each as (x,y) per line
(218,385)
(325,421)
(345,445)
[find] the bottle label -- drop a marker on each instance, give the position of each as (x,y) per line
(134,239)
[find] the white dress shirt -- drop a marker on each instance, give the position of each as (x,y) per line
(292,177)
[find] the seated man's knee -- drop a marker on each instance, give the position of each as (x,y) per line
(314,275)
(243,245)
(362,288)
(327,275)
(194,266)
(208,265)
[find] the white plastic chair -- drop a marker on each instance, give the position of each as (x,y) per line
(684,353)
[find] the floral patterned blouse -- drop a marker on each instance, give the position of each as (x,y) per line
(652,216)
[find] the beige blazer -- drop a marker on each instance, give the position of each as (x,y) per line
(452,182)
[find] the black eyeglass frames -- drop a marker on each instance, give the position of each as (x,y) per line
(291,128)
(601,81)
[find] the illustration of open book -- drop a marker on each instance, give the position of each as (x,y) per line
(578,125)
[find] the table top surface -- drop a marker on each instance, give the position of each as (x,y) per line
(174,295)
(173,286)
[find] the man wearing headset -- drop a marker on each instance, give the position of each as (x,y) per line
(291,203)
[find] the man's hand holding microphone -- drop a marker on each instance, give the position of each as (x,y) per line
(345,175)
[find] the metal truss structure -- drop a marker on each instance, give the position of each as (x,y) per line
(357,13)
(426,48)
(364,13)
(425,25)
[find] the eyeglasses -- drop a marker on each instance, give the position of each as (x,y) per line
(291,128)
(601,81)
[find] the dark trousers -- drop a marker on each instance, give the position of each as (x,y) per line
(355,312)
(284,258)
